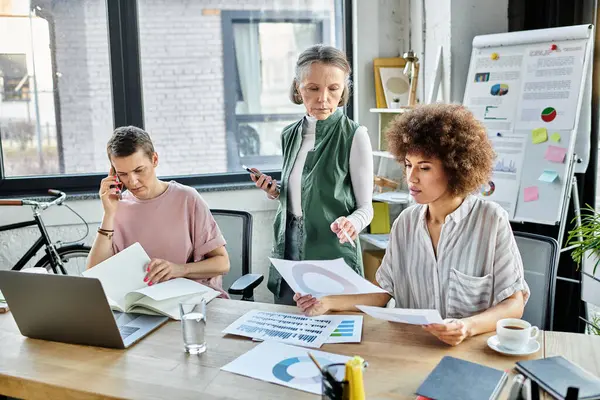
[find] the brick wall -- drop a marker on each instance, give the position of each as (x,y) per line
(182,74)
(84,83)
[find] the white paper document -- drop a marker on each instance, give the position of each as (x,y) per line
(403,315)
(551,86)
(493,89)
(349,330)
(284,365)
(122,278)
(503,187)
(125,271)
(293,329)
(323,278)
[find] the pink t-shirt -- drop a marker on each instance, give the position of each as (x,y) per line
(176,226)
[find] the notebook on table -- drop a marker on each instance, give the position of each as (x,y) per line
(122,277)
(454,378)
(556,374)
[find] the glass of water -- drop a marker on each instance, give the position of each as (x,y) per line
(193,322)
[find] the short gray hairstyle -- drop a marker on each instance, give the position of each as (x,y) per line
(327,55)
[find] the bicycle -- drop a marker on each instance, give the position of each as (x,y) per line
(68,259)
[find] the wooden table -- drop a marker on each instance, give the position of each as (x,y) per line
(400,357)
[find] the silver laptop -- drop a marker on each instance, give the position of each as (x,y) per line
(71,309)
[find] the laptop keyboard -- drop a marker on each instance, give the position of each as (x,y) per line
(127,331)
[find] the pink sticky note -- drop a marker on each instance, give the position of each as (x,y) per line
(555,154)
(531,193)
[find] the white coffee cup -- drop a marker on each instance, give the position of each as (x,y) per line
(514,334)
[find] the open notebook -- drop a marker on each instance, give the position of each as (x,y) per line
(122,277)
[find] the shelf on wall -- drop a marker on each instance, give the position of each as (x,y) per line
(396,197)
(389,110)
(385,154)
(379,240)
(385,116)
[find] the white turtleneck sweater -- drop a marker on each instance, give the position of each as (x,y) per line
(361,174)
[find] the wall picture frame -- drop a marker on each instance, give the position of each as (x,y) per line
(380,91)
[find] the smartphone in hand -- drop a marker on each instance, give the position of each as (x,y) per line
(257,175)
(119,184)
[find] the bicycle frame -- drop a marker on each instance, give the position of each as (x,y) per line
(43,240)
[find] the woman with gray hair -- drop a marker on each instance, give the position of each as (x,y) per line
(327,175)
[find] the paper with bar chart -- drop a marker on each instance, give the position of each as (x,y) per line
(503,188)
(293,329)
(493,89)
(348,331)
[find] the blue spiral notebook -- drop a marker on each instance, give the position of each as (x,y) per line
(454,378)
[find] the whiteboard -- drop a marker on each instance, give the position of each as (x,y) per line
(529,89)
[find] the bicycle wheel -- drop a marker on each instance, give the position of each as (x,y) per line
(74,258)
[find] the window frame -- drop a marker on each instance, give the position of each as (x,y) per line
(233,120)
(127,102)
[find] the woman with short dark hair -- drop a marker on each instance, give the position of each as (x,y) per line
(171,221)
(452,251)
(327,174)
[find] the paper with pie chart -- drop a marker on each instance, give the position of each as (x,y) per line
(503,186)
(293,329)
(493,90)
(551,86)
(285,365)
(323,277)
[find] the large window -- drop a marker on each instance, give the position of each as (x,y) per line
(208,80)
(56,107)
(215,78)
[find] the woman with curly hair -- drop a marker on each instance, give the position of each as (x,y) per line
(452,251)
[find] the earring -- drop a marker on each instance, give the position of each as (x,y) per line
(297,96)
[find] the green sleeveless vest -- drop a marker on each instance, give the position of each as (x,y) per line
(326,193)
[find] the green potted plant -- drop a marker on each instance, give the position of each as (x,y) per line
(594,328)
(585,239)
(395,102)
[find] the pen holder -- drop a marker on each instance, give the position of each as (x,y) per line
(334,387)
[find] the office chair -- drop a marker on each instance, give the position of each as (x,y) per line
(540,263)
(236,227)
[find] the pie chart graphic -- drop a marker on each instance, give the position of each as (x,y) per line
(310,373)
(548,114)
(489,190)
(499,89)
(301,271)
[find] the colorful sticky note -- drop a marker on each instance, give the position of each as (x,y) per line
(530,193)
(548,176)
(539,135)
(555,137)
(555,154)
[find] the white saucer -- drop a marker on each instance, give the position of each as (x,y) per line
(532,347)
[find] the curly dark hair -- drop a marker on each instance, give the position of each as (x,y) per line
(450,133)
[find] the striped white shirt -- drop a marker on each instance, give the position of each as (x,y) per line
(478,263)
